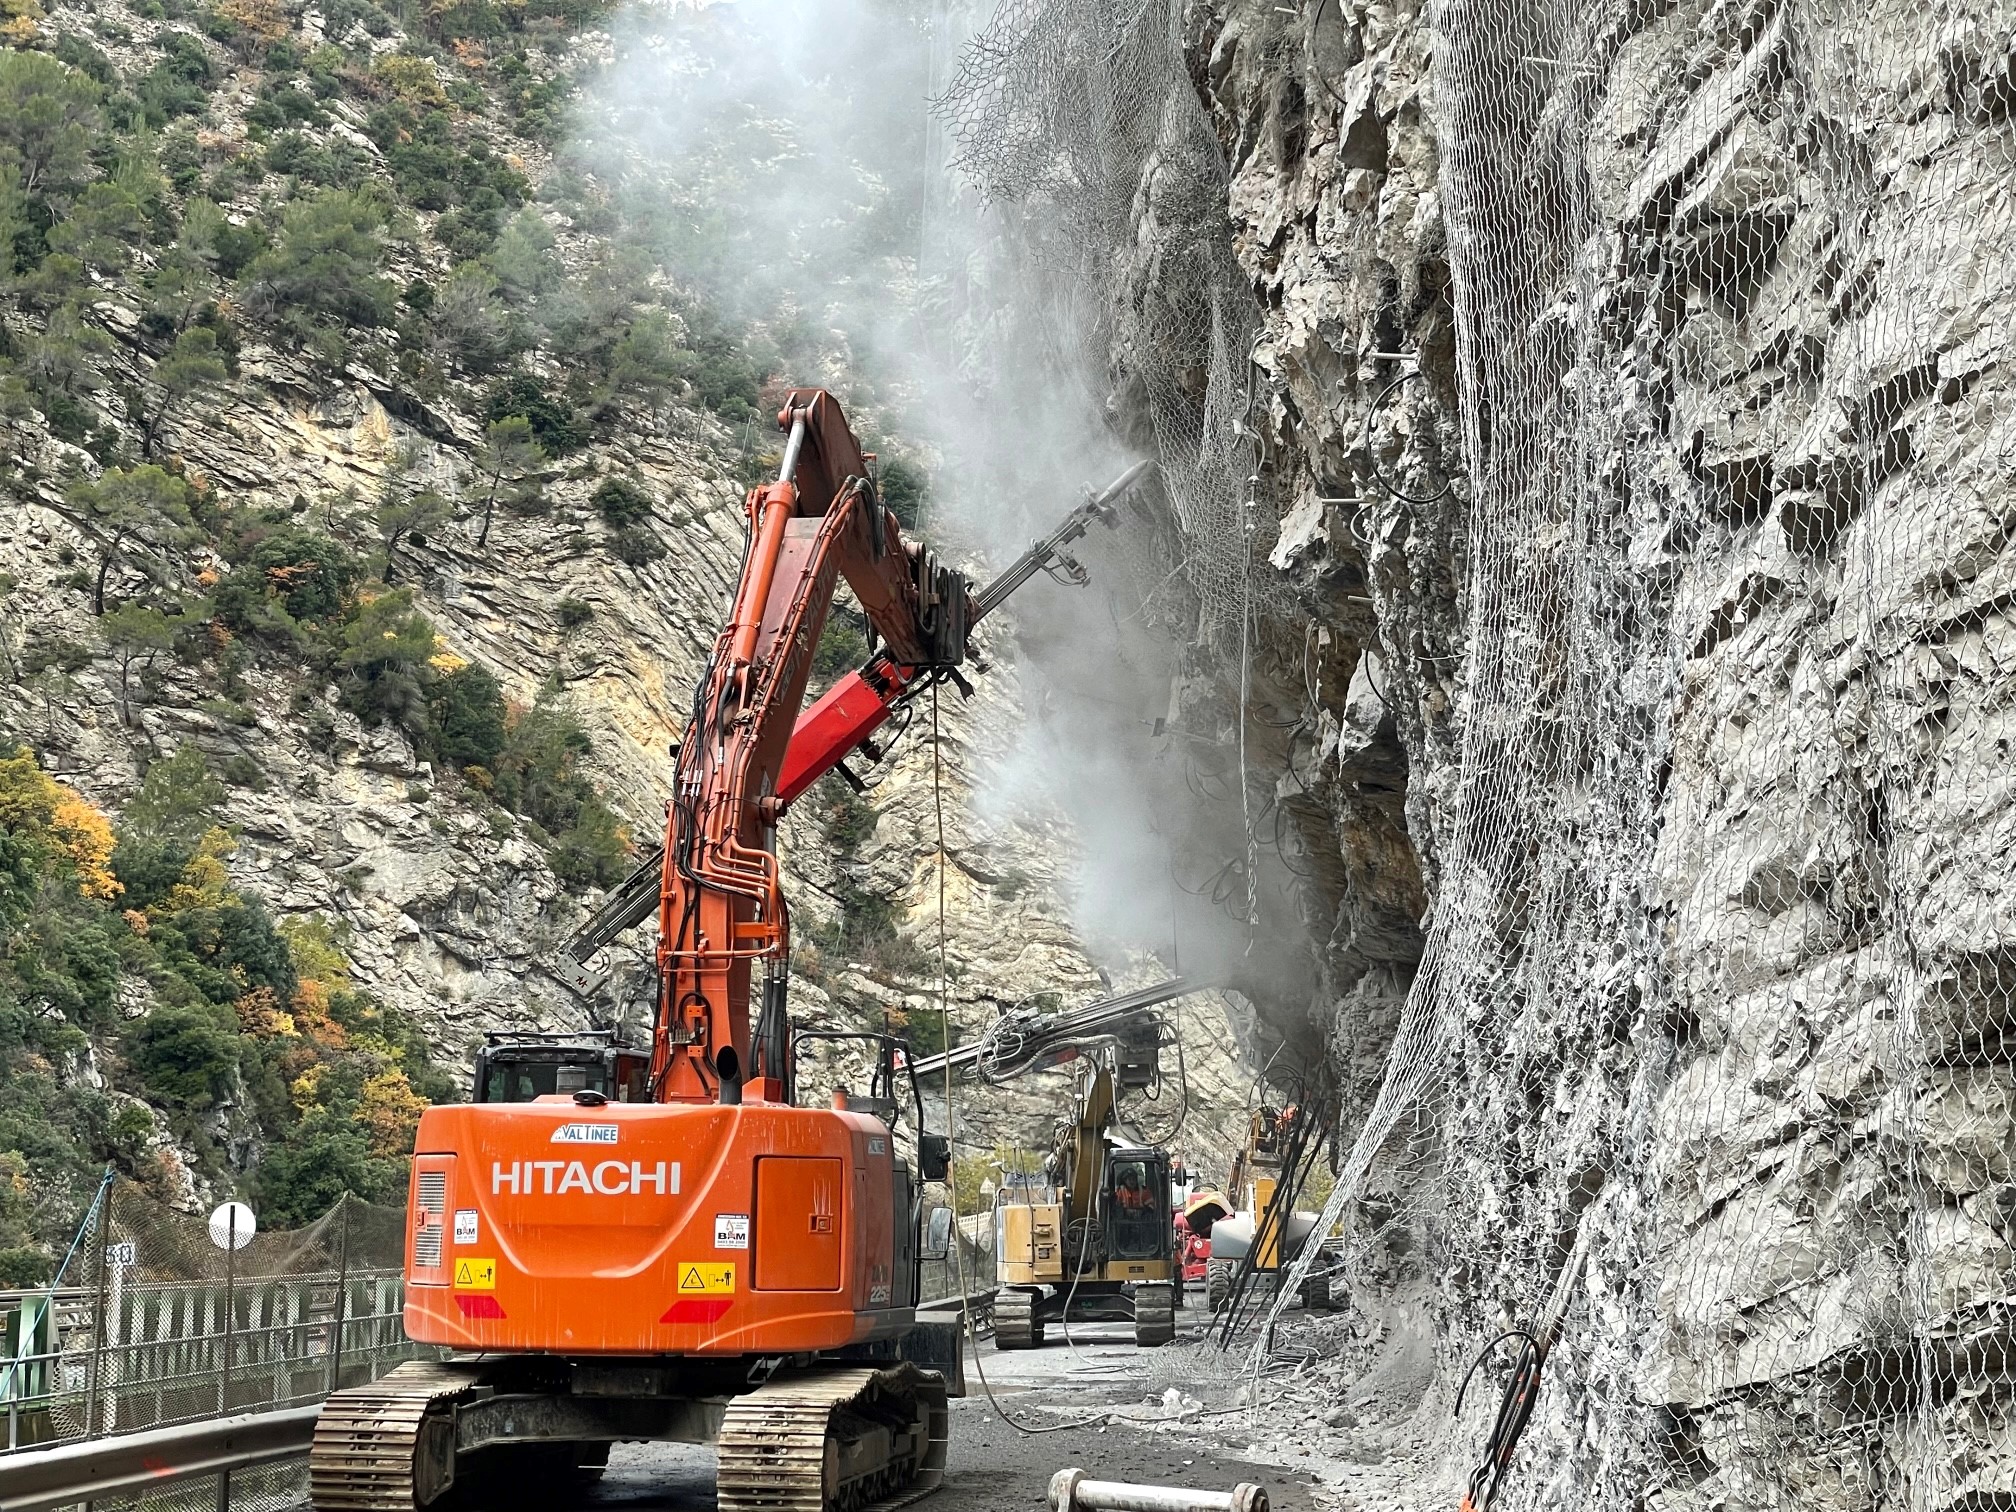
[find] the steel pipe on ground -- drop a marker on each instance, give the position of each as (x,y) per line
(1072,1491)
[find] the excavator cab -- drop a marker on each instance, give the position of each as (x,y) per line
(516,1068)
(1138,1222)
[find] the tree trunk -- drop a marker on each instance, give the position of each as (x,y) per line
(149,425)
(489,507)
(104,571)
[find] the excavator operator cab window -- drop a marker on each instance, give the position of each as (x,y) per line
(529,1066)
(1138,1208)
(510,1079)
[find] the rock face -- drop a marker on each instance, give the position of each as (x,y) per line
(1628,399)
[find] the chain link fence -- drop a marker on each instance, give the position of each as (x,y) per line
(165,1325)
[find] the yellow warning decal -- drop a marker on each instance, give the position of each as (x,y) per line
(476,1275)
(705,1278)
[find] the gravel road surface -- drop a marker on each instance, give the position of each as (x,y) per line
(993,1467)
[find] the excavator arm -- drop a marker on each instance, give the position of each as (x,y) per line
(848,714)
(843,720)
(721,909)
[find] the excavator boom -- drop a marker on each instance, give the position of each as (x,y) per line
(721,908)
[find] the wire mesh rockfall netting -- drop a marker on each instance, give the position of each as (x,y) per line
(1720,973)
(161,1324)
(1717,1014)
(1083,113)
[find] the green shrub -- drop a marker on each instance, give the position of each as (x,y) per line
(555,426)
(237,247)
(435,167)
(846,819)
(621,503)
(221,947)
(184,1056)
(24,1266)
(905,489)
(635,548)
(574,613)
(316,1162)
(539,775)
(80,54)
(842,647)
(242,771)
(66,963)
(468,710)
(385,654)
(303,573)
(178,85)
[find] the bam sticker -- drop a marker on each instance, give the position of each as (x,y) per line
(731,1231)
(705,1278)
(465,1225)
(476,1275)
(603,1133)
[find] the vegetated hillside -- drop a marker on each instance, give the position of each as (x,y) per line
(373,493)
(319,541)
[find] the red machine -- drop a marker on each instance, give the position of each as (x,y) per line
(713,1262)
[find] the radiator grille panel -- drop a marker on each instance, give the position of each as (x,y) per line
(433,1188)
(427,1247)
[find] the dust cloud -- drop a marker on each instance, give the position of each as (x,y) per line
(783,161)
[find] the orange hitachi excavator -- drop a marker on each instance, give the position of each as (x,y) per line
(711,1262)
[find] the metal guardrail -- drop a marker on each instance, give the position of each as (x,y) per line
(132,1463)
(182,1351)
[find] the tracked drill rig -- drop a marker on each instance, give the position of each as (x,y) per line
(1092,1237)
(709,1261)
(1258,1229)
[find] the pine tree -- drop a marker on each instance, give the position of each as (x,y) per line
(48,116)
(406,516)
(188,369)
(143,506)
(134,630)
(509,453)
(326,264)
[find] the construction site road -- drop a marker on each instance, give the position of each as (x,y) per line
(1062,1388)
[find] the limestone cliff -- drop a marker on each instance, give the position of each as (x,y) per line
(1635,440)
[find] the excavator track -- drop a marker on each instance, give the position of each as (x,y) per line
(386,1446)
(1154,1314)
(843,1440)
